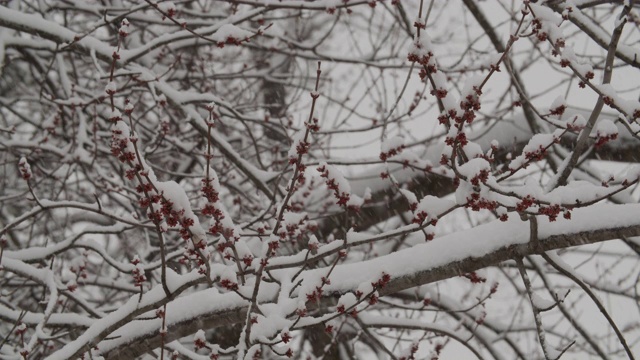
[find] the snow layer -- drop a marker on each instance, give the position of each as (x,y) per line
(420,259)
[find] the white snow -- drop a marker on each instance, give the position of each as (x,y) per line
(111,88)
(474,167)
(542,303)
(434,206)
(558,102)
(167,6)
(419,259)
(347,301)
(606,127)
(537,144)
(391,143)
(25,168)
(172,191)
(409,195)
(228,31)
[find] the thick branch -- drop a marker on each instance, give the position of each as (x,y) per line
(386,203)
(445,257)
(589,27)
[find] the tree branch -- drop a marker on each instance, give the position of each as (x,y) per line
(416,266)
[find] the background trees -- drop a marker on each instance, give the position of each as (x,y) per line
(335,179)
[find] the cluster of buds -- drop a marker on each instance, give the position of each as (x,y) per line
(25,169)
(150,198)
(419,217)
(210,190)
(607,182)
(588,76)
(124,28)
(422,59)
(444,160)
(21,329)
(535,155)
(316,294)
(537,147)
(231,40)
(195,255)
(328,329)
(25,351)
(295,230)
(469,105)
(476,202)
(411,352)
(200,340)
(72,286)
(229,284)
(301,147)
(525,203)
(340,195)
(313,125)
(460,138)
(440,93)
(536,26)
(435,353)
(172,216)
(552,212)
(168,9)
(382,281)
(138,272)
(481,177)
(474,278)
(121,145)
(426,71)
(78,266)
(160,313)
(111,90)
(384,155)
(605,132)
